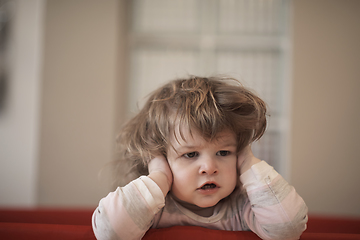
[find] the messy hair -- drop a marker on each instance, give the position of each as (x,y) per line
(205,105)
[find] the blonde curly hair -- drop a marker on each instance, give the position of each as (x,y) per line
(206,105)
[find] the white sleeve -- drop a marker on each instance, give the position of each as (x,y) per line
(128,212)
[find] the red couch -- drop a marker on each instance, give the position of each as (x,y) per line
(76,224)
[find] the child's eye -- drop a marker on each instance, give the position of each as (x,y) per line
(191,154)
(223,153)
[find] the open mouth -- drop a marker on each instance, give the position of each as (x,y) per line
(208,186)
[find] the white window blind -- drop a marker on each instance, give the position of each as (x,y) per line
(246,39)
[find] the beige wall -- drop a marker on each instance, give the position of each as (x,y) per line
(19,117)
(83,96)
(79,100)
(326,98)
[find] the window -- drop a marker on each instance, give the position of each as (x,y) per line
(246,39)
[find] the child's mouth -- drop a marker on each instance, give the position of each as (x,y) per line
(208,186)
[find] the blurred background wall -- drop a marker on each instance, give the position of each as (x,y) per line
(325,131)
(67,99)
(20,72)
(79,96)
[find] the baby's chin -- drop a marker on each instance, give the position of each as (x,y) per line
(207,204)
(196,205)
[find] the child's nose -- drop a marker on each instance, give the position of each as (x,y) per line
(208,166)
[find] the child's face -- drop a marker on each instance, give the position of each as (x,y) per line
(204,172)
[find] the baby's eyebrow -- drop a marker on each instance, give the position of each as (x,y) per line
(186,147)
(226,143)
(228,146)
(181,150)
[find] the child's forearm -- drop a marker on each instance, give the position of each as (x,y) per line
(127,212)
(275,209)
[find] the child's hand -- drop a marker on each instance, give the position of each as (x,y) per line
(160,173)
(246,159)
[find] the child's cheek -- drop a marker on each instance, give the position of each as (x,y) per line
(179,175)
(174,169)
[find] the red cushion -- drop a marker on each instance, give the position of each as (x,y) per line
(331,224)
(198,233)
(76,224)
(47,215)
(35,231)
(329,236)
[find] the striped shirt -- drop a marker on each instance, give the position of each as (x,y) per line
(269,207)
